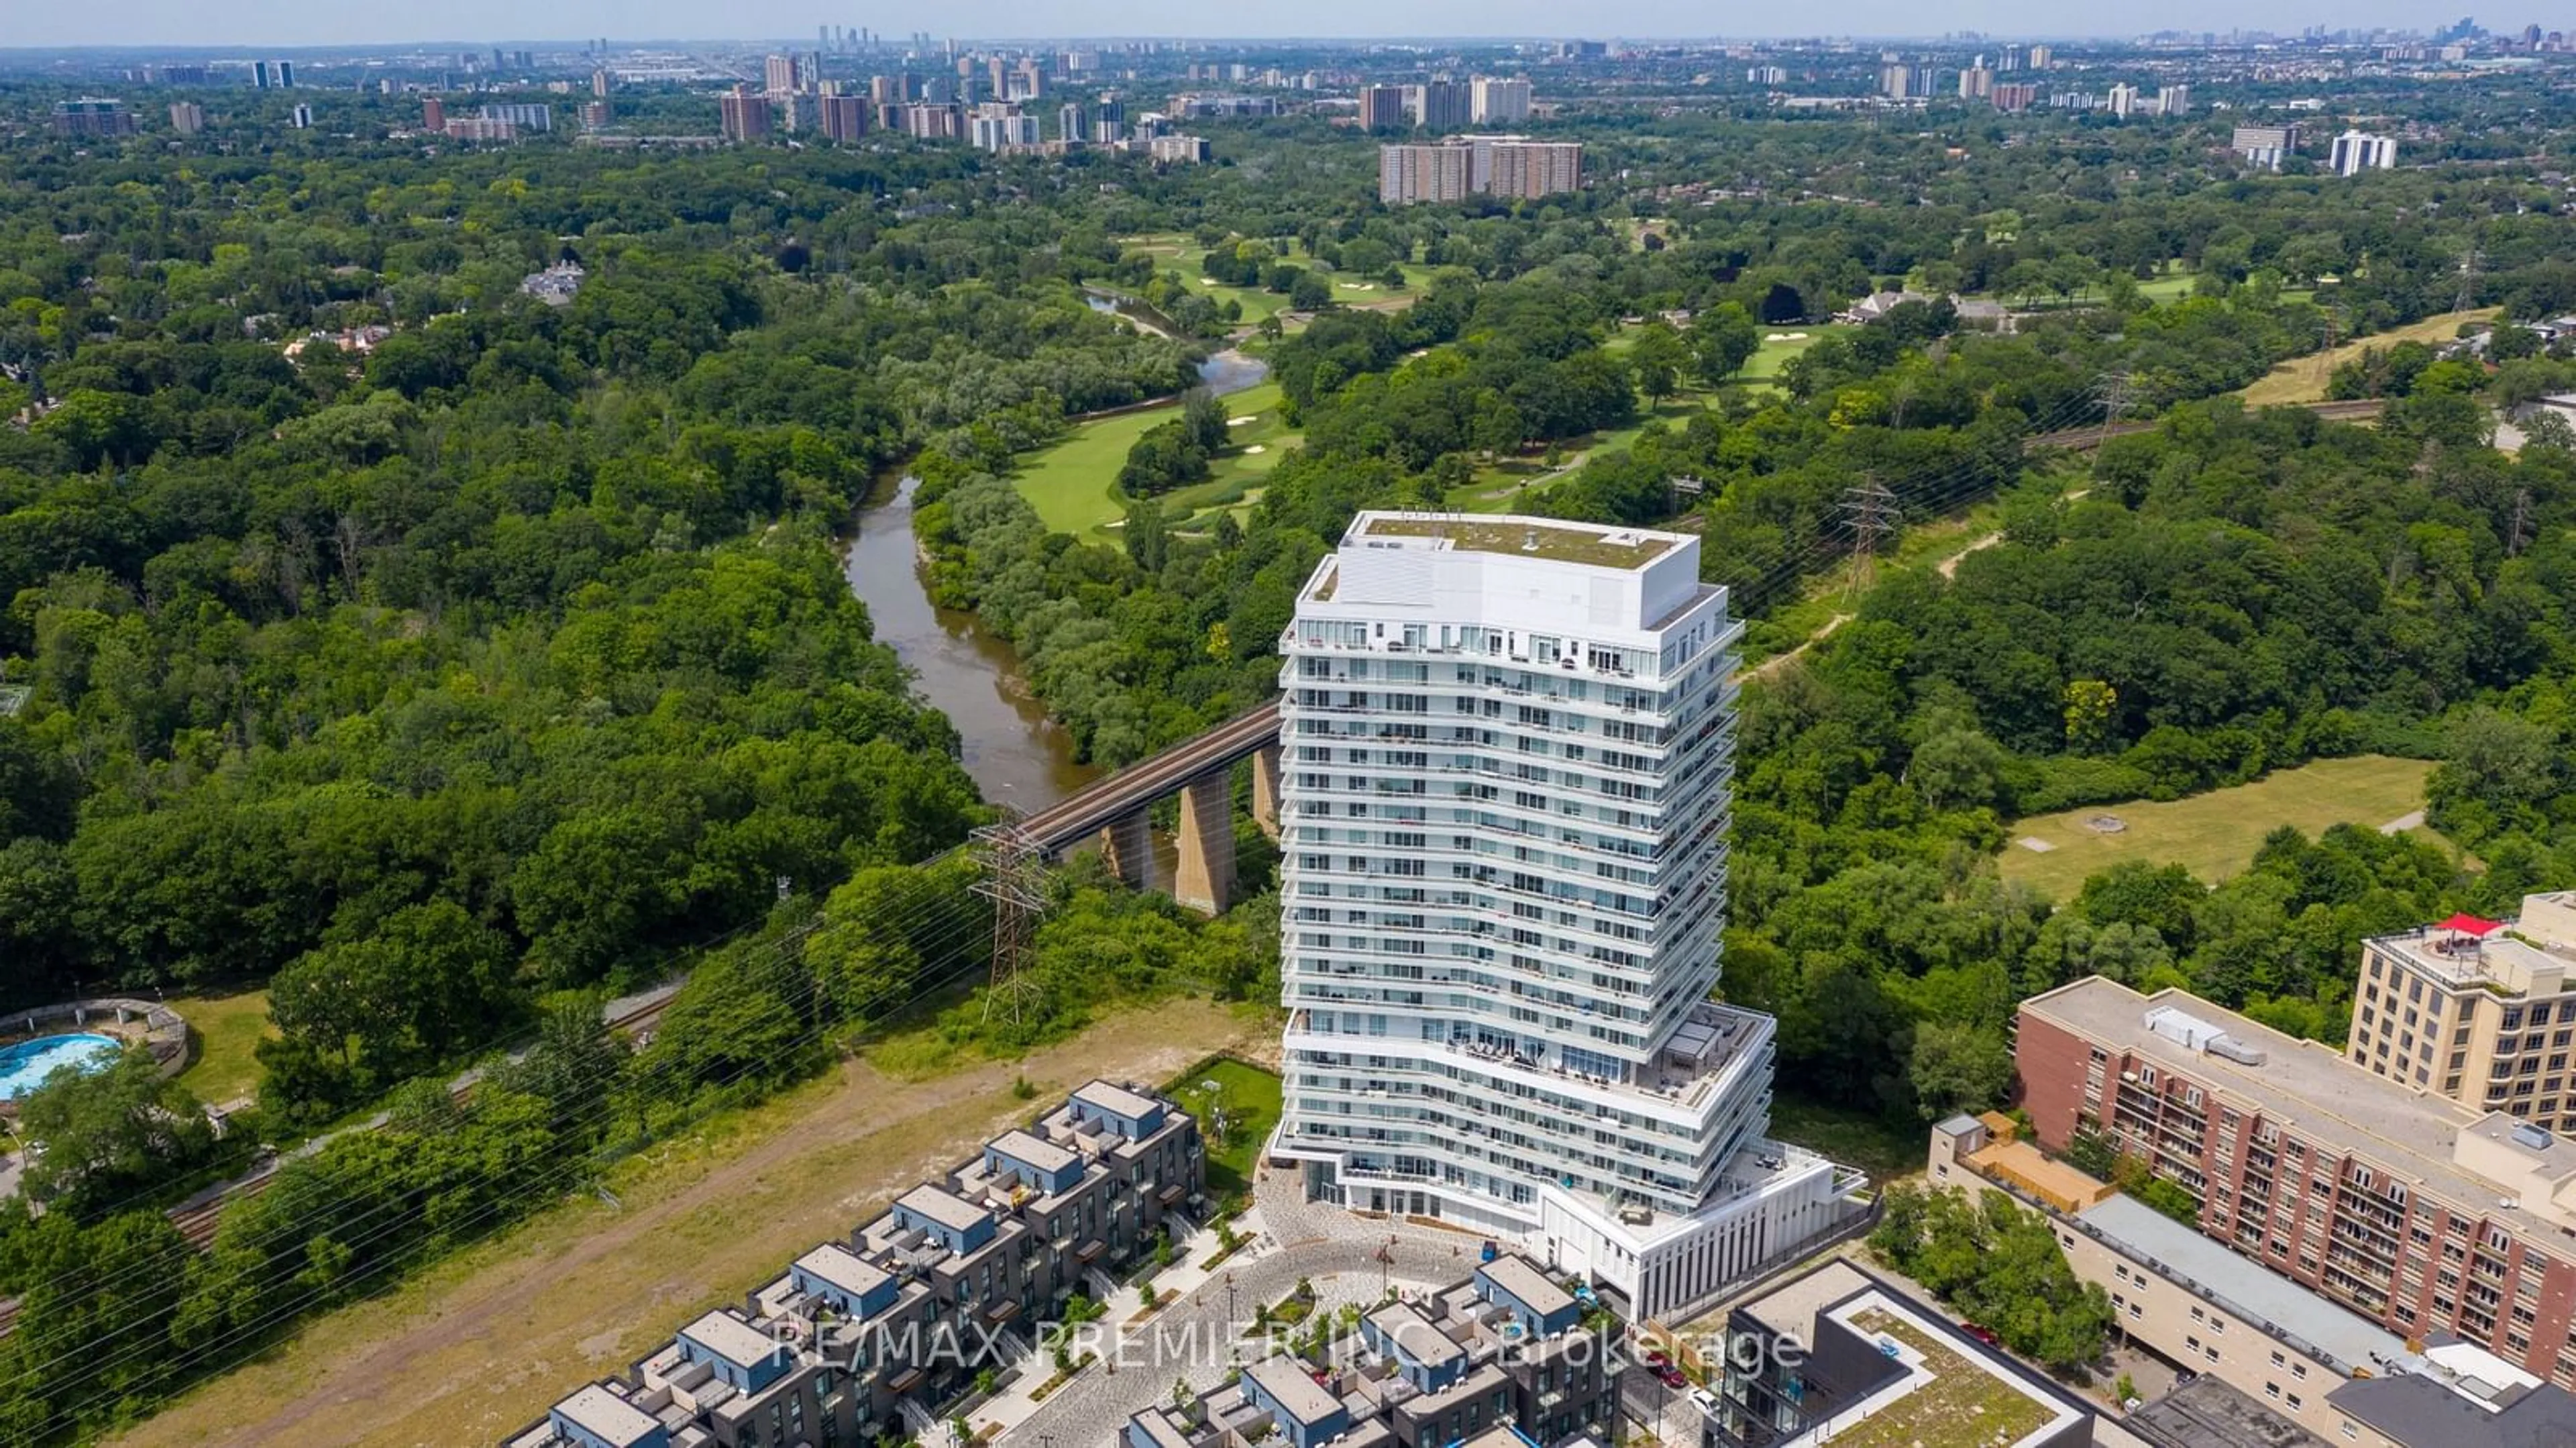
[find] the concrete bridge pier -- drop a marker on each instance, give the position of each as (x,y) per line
(1127,843)
(1206,874)
(1265,790)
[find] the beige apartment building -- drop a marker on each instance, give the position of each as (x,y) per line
(1464,166)
(2184,1297)
(2308,1361)
(2480,1011)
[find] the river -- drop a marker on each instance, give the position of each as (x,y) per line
(1015,754)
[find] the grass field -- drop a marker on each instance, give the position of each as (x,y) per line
(1503,487)
(2173,284)
(228,1028)
(2216,834)
(1876,1145)
(2303,379)
(1249,1097)
(1779,344)
(1175,252)
(589,1284)
(1070,484)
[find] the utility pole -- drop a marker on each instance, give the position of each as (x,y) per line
(2116,392)
(1871,511)
(2520,533)
(2468,294)
(1014,880)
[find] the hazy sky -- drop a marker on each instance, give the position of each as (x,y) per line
(251,23)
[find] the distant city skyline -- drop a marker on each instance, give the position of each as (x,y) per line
(275,23)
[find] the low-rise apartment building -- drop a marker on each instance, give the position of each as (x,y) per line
(2419,1214)
(2481,1011)
(2182,1296)
(2277,1365)
(866,1337)
(1503,1353)
(1839,1355)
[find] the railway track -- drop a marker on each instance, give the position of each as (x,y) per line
(197,1224)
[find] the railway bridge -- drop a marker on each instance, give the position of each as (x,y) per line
(1116,809)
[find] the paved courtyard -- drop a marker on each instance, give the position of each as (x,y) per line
(1347,1258)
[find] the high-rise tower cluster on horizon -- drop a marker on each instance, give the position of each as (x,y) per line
(1508,752)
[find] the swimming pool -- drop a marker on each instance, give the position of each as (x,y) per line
(24,1066)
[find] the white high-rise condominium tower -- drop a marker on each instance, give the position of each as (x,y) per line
(1508,752)
(2356,151)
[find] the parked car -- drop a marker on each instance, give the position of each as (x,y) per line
(1671,1376)
(1655,1358)
(1707,1400)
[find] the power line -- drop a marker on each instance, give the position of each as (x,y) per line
(593,1113)
(1934,493)
(549,1182)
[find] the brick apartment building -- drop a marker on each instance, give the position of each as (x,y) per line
(2416,1212)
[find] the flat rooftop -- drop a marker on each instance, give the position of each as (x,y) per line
(844,1269)
(1160,1427)
(1110,1096)
(1046,1156)
(1791,1309)
(1416,1335)
(2422,1407)
(2461,960)
(2064,1185)
(1944,1386)
(2243,1287)
(2207,1413)
(1515,1275)
(597,1410)
(1501,1435)
(942,1206)
(1554,539)
(2305,1087)
(735,1340)
(1301,1396)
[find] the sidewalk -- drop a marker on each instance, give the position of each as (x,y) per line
(1013,1405)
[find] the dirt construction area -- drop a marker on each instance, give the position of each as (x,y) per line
(485,1343)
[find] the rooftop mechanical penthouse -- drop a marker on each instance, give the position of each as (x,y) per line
(1507,751)
(869,1336)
